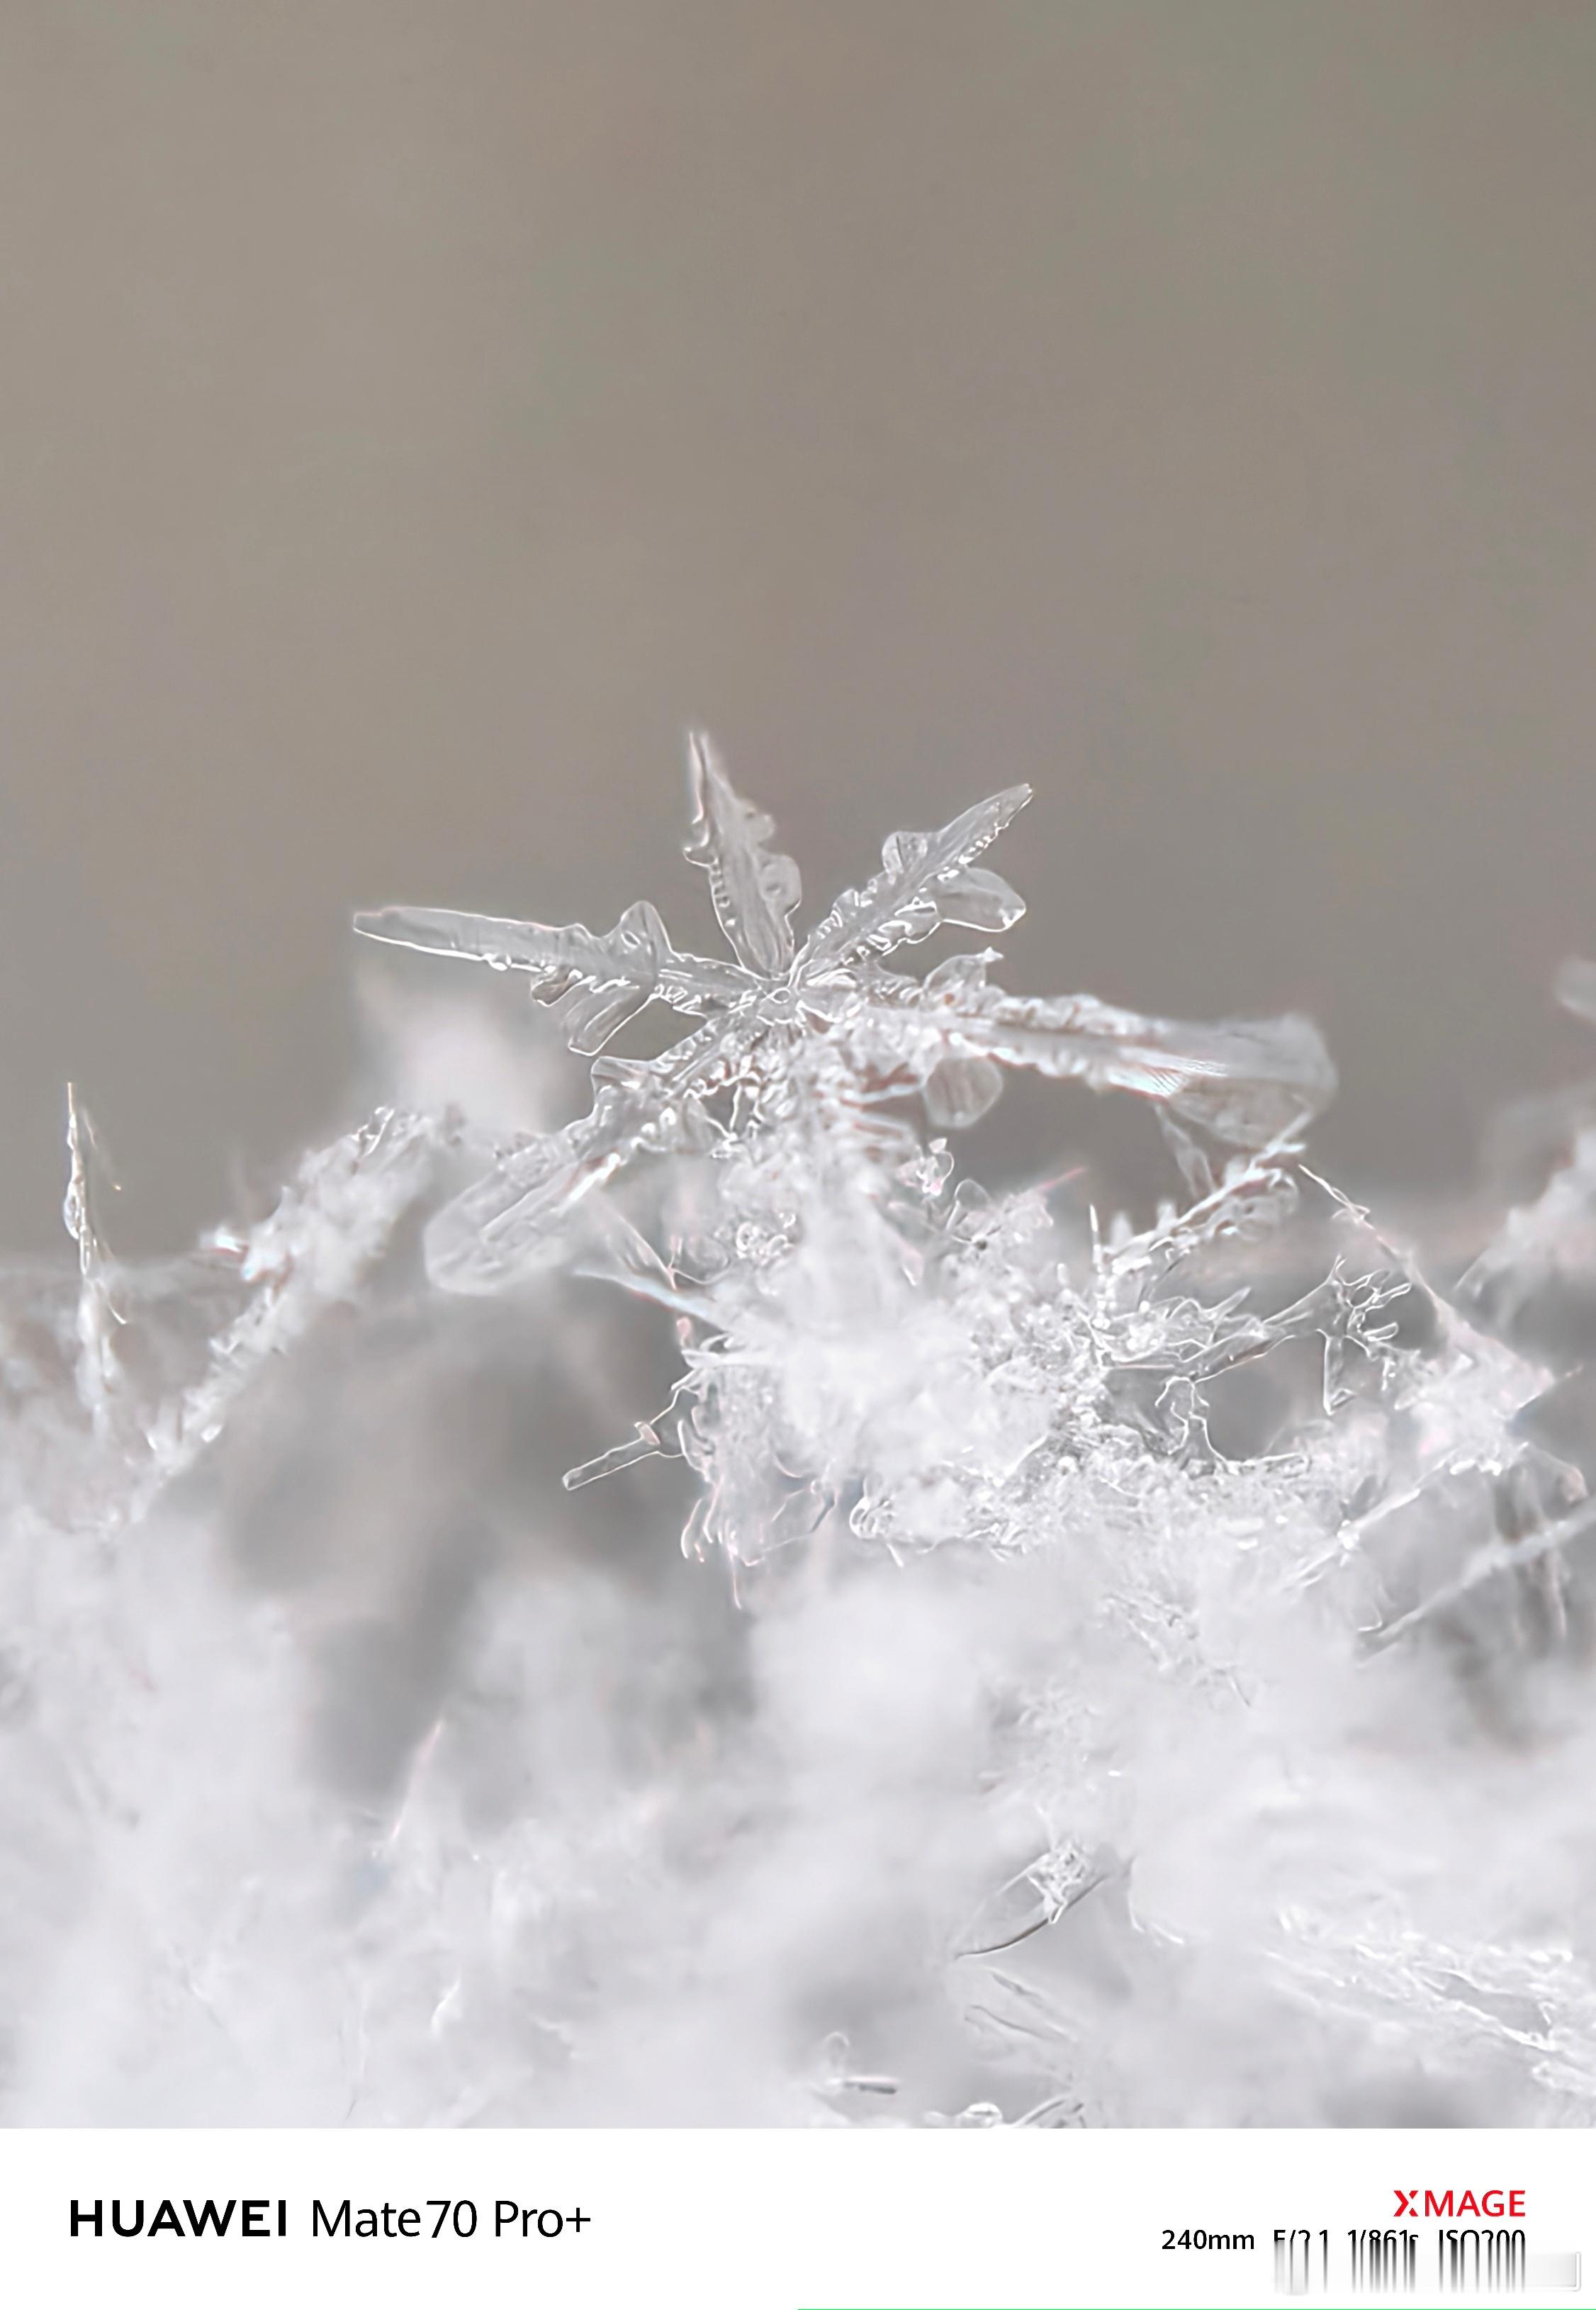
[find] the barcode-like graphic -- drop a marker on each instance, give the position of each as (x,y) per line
(1396,2262)
(1302,2261)
(1384,2262)
(1475,2261)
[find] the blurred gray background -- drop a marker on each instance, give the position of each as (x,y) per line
(413,411)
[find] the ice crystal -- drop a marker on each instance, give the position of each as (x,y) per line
(1548,1245)
(823,1030)
(836,1292)
(875,1349)
(1153,1684)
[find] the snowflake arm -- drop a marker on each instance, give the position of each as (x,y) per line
(753,890)
(508,1224)
(602,978)
(1243,1081)
(926,880)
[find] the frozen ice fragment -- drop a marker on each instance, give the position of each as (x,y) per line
(786,1031)
(921,876)
(959,1091)
(753,890)
(604,976)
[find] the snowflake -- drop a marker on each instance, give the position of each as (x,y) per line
(784,1024)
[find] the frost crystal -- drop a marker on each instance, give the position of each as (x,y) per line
(829,1226)
(1154,1682)
(819,1037)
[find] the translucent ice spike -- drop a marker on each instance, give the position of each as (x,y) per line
(753,890)
(508,1225)
(926,880)
(603,977)
(333,1221)
(1244,1079)
(78,1207)
(98,1370)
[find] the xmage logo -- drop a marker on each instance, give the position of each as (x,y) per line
(1449,2205)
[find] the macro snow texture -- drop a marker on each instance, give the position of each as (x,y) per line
(1110,1673)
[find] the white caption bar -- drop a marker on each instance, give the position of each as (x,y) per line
(807,2220)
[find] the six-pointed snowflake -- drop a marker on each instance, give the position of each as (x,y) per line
(784,1024)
